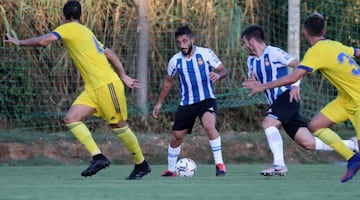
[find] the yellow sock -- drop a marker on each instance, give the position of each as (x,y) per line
(333,140)
(131,143)
(82,133)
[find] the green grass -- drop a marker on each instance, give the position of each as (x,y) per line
(242,182)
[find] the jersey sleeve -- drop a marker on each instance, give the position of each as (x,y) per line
(213,59)
(351,51)
(249,65)
(171,70)
(62,32)
(283,57)
(311,61)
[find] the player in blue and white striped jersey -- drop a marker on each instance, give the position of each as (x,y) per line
(195,83)
(271,65)
(266,64)
(197,69)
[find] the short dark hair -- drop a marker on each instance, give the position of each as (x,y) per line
(72,10)
(184,30)
(254,31)
(315,24)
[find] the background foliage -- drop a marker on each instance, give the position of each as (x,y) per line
(39,84)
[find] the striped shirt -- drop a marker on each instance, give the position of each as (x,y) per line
(272,65)
(195,84)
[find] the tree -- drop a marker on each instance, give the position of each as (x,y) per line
(142,59)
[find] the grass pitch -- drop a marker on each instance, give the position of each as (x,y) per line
(304,181)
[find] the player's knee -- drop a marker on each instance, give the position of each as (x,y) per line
(210,129)
(175,142)
(309,146)
(313,127)
(68,119)
(120,124)
(178,137)
(266,123)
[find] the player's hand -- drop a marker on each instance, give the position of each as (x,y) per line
(294,94)
(11,39)
(214,76)
(252,77)
(130,82)
(254,86)
(156,109)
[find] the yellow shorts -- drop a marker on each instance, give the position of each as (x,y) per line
(340,110)
(109,102)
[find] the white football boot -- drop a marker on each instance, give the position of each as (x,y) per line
(275,169)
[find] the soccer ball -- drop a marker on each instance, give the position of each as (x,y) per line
(185,167)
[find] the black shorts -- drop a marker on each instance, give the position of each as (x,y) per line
(186,115)
(287,113)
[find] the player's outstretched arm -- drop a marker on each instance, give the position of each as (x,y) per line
(257,87)
(43,40)
(165,89)
(116,63)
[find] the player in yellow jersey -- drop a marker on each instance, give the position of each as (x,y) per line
(333,60)
(103,95)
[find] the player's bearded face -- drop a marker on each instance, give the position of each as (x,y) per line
(186,51)
(185,44)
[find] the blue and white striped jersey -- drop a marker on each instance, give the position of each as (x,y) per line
(195,84)
(272,65)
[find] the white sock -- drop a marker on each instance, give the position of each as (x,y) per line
(350,144)
(173,154)
(216,150)
(276,144)
(320,145)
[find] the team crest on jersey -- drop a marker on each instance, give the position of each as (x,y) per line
(267,62)
(200,61)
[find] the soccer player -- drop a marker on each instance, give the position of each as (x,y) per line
(333,60)
(267,63)
(103,95)
(197,68)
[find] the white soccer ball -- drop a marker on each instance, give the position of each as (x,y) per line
(185,167)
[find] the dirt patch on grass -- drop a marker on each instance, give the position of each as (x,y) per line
(237,148)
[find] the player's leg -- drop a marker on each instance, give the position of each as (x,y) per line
(83,107)
(319,127)
(127,136)
(113,109)
(207,114)
(73,121)
(334,112)
(174,150)
(208,121)
(353,164)
(184,122)
(279,113)
(274,139)
(298,130)
(275,142)
(305,139)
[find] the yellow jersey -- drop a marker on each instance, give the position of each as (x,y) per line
(334,61)
(87,54)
